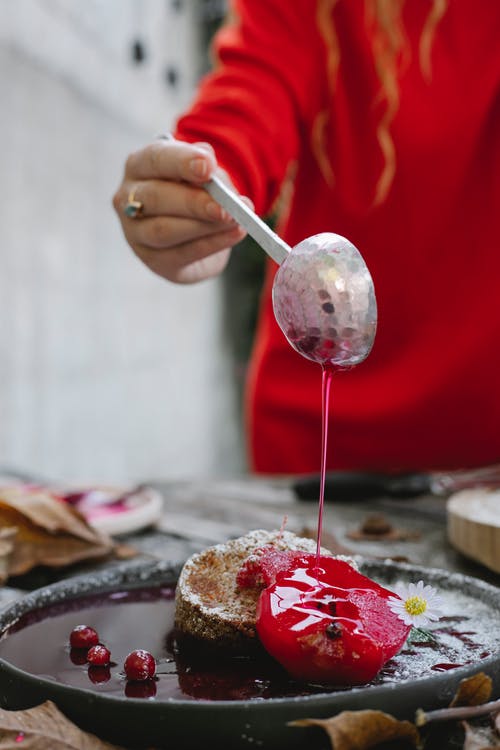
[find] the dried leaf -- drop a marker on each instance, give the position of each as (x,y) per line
(49,531)
(45,728)
(125,552)
(359,730)
(479,738)
(6,546)
(472,691)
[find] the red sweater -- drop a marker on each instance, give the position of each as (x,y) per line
(428,394)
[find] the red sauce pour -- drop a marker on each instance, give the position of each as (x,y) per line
(326,383)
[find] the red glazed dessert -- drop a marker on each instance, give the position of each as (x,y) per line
(322,620)
(318,617)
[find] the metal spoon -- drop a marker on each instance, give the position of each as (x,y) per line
(323,295)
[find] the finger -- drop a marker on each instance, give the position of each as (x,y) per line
(193,261)
(171,160)
(161,197)
(164,232)
(206,146)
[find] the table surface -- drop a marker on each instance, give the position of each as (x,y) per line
(198,514)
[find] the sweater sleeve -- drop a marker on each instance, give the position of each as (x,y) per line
(259,101)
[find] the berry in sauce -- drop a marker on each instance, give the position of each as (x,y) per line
(83,636)
(98,655)
(139,665)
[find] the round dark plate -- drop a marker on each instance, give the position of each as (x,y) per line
(260,722)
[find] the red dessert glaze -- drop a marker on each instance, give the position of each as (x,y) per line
(324,621)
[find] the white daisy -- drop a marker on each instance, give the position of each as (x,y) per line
(416,604)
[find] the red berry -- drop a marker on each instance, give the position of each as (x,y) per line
(83,637)
(98,655)
(326,623)
(249,576)
(139,665)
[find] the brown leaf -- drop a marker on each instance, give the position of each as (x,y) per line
(359,730)
(125,551)
(479,738)
(49,531)
(45,728)
(6,546)
(472,691)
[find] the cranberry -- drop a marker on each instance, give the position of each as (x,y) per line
(98,655)
(250,574)
(144,689)
(139,665)
(83,637)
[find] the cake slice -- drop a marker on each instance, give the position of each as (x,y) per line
(211,606)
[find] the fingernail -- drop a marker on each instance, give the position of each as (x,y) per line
(199,168)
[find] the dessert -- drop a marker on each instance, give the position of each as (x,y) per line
(316,615)
(211,606)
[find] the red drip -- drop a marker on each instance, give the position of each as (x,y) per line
(325,403)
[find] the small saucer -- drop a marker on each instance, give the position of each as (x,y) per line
(110,509)
(117,510)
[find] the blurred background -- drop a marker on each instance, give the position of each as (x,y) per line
(107,372)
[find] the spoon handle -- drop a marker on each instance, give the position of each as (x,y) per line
(256,228)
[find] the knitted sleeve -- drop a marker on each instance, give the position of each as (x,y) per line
(264,92)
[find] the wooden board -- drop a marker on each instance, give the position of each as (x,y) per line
(474,525)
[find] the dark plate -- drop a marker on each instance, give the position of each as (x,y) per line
(260,722)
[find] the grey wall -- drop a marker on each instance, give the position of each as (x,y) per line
(106,372)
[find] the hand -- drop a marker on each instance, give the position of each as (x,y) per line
(181,233)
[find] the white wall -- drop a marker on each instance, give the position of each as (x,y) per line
(106,372)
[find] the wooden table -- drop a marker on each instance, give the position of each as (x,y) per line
(198,514)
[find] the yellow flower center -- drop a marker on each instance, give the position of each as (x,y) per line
(415,605)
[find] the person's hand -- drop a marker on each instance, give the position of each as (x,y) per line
(179,231)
